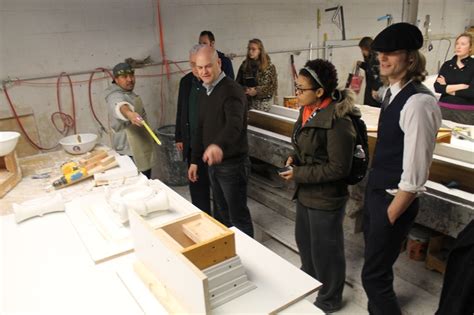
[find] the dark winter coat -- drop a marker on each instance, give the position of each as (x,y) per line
(323,151)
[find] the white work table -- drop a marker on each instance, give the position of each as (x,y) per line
(45,269)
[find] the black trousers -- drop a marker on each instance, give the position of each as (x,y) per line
(382,247)
(229,182)
(201,190)
(320,239)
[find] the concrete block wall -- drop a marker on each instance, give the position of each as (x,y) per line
(47,37)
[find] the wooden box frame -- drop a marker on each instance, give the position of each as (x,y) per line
(202,250)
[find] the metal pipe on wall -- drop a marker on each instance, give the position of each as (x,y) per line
(410,11)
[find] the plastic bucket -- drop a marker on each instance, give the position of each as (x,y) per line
(171,168)
(417,244)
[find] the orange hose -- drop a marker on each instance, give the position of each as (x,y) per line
(20,124)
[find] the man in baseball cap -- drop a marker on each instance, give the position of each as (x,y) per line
(409,120)
(126,115)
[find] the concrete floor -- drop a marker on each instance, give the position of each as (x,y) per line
(417,288)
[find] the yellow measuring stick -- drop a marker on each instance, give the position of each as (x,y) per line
(152,134)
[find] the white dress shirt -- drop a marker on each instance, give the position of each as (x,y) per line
(420,120)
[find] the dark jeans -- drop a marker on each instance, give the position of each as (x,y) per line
(382,247)
(320,239)
(229,187)
(200,190)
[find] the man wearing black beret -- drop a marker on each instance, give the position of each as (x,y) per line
(408,124)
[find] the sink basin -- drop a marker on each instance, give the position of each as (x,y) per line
(8,141)
(80,143)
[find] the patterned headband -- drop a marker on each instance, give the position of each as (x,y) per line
(314,75)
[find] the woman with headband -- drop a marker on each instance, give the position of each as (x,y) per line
(323,140)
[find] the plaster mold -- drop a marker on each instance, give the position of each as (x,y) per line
(38,207)
(143,197)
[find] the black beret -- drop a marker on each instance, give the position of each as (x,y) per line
(397,37)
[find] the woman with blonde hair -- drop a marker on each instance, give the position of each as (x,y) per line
(455,82)
(258,76)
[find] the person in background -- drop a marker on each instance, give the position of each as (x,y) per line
(409,121)
(258,77)
(458,284)
(186,126)
(126,115)
(221,141)
(372,73)
(323,141)
(455,82)
(207,38)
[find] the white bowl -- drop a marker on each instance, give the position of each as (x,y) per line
(80,143)
(8,141)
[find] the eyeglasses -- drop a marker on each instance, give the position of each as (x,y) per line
(301,90)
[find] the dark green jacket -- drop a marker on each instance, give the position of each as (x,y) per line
(323,151)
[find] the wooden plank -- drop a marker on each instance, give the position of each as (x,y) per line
(204,255)
(93,159)
(270,122)
(167,300)
(201,230)
(175,230)
(10,173)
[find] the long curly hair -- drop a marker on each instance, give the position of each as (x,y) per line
(263,58)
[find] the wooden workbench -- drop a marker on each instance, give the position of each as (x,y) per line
(29,188)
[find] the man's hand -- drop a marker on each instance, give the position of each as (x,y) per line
(399,205)
(213,155)
(287,175)
(192,173)
(375,95)
(134,118)
(289,161)
(251,91)
(179,146)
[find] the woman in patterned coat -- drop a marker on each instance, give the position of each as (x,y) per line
(258,77)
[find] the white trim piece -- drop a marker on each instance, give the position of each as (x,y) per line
(125,170)
(38,207)
(269,133)
(227,281)
(275,116)
(285,111)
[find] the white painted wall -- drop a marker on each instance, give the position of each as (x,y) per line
(46,37)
